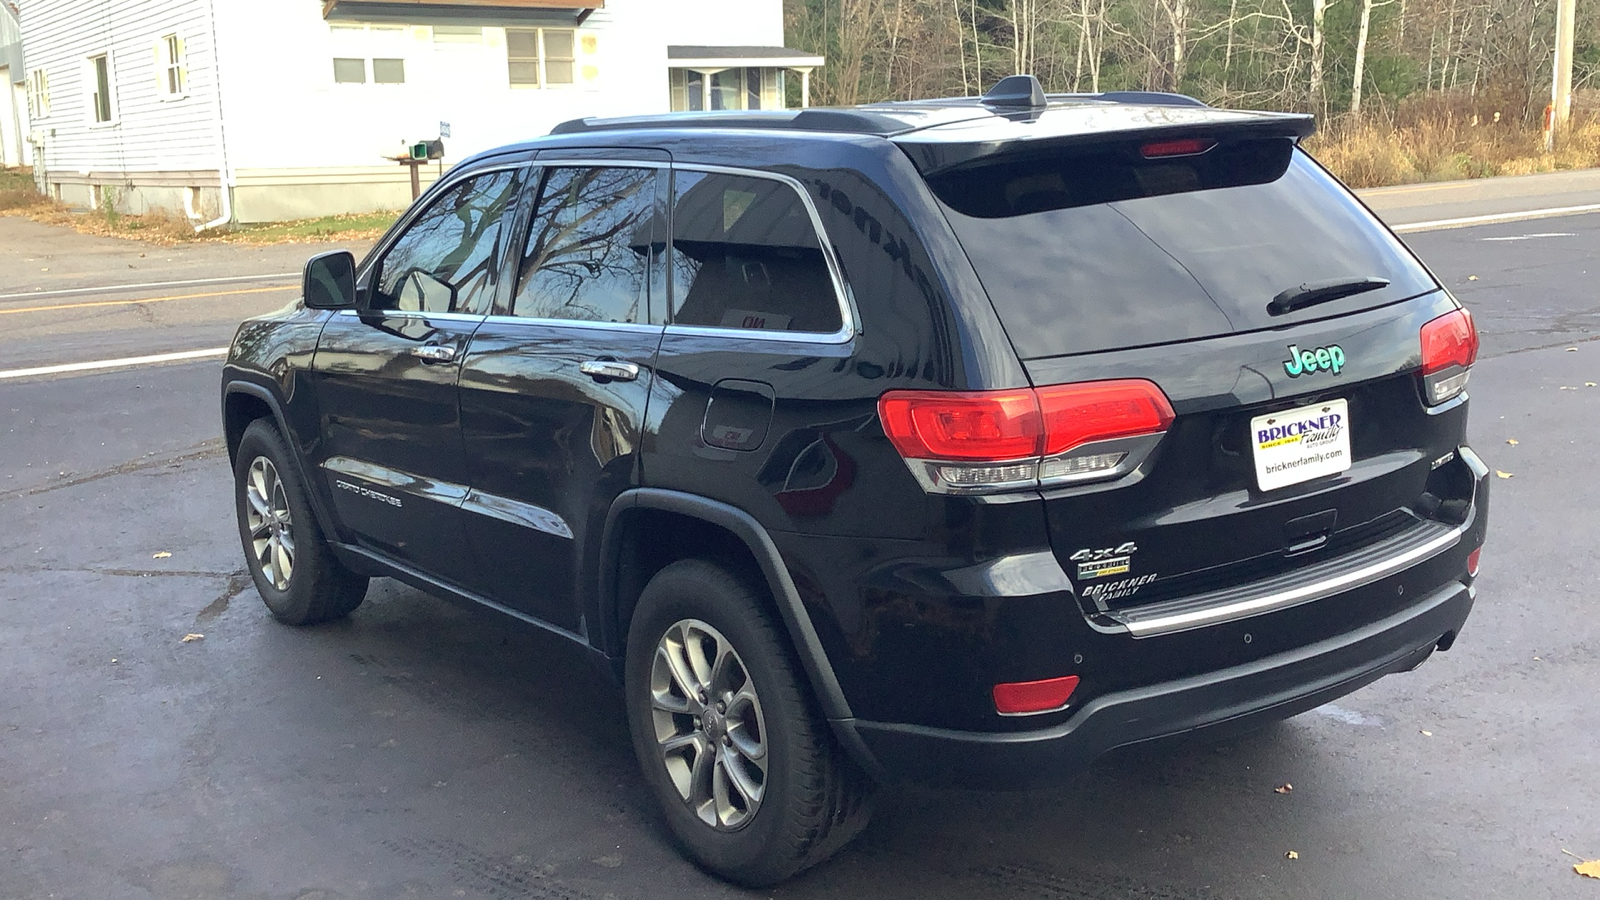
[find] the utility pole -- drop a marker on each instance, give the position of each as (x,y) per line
(1561,78)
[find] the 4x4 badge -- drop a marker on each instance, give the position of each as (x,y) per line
(1306,362)
(1103,563)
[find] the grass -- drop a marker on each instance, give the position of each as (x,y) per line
(17,191)
(1376,152)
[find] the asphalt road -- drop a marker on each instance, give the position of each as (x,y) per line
(424,750)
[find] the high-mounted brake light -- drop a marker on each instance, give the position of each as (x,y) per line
(985,441)
(1181,147)
(1023,698)
(1449,348)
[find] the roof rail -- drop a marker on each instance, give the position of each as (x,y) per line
(1018,91)
(1149,98)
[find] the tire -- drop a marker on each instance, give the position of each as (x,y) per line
(810,799)
(294,570)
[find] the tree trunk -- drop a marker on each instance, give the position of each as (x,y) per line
(1319,14)
(1361,56)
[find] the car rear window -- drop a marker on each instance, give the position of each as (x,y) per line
(1102,248)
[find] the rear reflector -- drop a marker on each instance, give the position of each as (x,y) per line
(1449,348)
(1472,562)
(981,441)
(1022,698)
(1183,147)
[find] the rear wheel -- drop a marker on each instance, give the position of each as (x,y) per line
(293,568)
(750,780)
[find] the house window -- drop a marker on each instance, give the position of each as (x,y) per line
(172,67)
(349,71)
(100,99)
(388,71)
(38,94)
(541,57)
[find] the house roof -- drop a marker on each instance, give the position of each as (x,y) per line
(468,11)
(715,57)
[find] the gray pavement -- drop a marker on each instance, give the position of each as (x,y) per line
(1408,204)
(423,750)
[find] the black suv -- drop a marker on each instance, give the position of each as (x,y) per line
(957,441)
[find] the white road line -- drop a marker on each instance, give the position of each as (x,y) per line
(125,362)
(150,285)
(1522,216)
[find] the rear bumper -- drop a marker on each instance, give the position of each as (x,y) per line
(1214,704)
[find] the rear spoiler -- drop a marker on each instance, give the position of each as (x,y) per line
(941,149)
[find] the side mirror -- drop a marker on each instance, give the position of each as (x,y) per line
(330,281)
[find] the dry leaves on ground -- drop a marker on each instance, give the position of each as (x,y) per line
(1589,868)
(1283,789)
(161,554)
(192,637)
(1512,441)
(1502,474)
(1291,855)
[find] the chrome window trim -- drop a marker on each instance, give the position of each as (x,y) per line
(640,327)
(414,314)
(849,325)
(1295,596)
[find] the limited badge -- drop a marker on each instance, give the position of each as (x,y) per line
(1105,562)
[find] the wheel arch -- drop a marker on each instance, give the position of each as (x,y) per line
(244,402)
(704,524)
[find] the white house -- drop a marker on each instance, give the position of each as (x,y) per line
(13,99)
(258,110)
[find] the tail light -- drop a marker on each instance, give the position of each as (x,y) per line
(1449,348)
(987,441)
(1180,147)
(1472,562)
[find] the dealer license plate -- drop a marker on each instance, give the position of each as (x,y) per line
(1301,444)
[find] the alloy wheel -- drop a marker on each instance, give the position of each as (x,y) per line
(708,724)
(271,526)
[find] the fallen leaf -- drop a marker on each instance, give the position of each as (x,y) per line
(192,637)
(1284,789)
(1589,868)
(1426,733)
(1588,384)
(1291,855)
(1572,349)
(1502,474)
(1472,278)
(1511,441)
(160,554)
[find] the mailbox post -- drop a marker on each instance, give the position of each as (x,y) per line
(420,154)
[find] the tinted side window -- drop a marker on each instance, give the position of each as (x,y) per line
(745,254)
(594,234)
(448,259)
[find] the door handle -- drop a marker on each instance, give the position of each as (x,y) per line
(434,352)
(609,368)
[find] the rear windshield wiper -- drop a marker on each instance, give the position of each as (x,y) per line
(1321,292)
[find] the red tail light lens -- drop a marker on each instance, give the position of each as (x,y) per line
(1075,414)
(976,442)
(1181,147)
(1449,348)
(1472,562)
(1021,698)
(1450,340)
(986,426)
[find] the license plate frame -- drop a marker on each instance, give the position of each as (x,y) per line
(1293,446)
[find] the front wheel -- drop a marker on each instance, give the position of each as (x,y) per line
(750,780)
(290,562)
